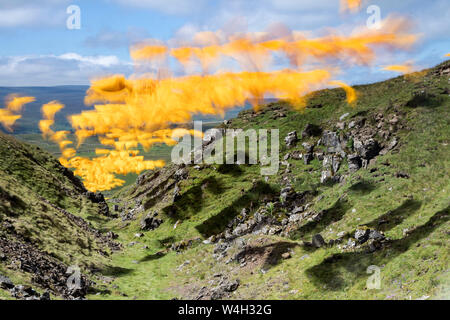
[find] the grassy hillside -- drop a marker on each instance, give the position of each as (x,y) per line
(402,193)
(41,229)
(226,232)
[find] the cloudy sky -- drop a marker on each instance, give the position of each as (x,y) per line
(39,50)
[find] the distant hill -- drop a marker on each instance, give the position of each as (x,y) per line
(73,99)
(71,96)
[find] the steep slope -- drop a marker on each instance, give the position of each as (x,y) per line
(42,231)
(372,196)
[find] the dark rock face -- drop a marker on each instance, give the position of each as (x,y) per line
(291,139)
(5,282)
(150,222)
(223,289)
(308,157)
(362,235)
(354,162)
(318,241)
(100,200)
(95,197)
(311,130)
(368,149)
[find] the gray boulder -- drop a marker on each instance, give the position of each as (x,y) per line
(308,147)
(362,235)
(5,282)
(326,176)
(150,222)
(291,139)
(376,235)
(307,158)
(368,149)
(330,139)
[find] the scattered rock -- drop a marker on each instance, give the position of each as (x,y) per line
(318,241)
(291,139)
(111,235)
(326,176)
(403,175)
(181,174)
(350,244)
(331,140)
(150,222)
(296,155)
(341,234)
(307,158)
(340,125)
(5,282)
(176,193)
(308,147)
(223,289)
(376,235)
(362,235)
(392,144)
(286,255)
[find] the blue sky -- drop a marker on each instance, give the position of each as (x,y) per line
(38,50)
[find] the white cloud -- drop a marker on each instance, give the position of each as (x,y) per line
(51,70)
(23,13)
(102,61)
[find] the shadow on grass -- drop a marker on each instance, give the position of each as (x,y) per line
(154,256)
(426,100)
(217,223)
(167,241)
(231,169)
(328,216)
(395,217)
(113,271)
(13,200)
(344,269)
(191,202)
(362,187)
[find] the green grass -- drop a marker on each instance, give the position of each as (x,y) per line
(415,264)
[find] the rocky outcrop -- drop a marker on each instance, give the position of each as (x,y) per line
(100,200)
(150,222)
(45,271)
